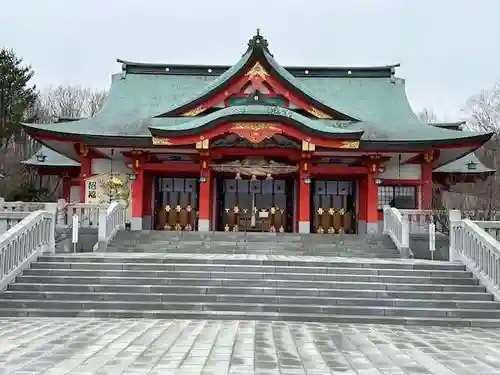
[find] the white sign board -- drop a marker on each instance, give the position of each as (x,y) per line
(432,237)
(76,224)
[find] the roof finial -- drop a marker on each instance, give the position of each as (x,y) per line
(258,41)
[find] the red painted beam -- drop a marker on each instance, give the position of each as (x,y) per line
(292,154)
(334,169)
(393,181)
(172,167)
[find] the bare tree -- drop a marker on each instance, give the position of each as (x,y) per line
(427,116)
(51,104)
(71,101)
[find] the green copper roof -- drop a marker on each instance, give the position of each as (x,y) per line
(239,112)
(469,164)
(52,159)
(136,99)
(457,125)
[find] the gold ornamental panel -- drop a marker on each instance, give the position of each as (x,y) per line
(161,141)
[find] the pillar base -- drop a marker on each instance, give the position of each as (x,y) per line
(304,227)
(203,225)
(136,223)
(372,228)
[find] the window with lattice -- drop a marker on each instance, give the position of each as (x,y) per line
(390,194)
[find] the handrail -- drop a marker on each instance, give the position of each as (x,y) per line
(478,250)
(111,220)
(22,244)
(396,227)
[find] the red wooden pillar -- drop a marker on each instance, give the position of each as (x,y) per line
(66,187)
(147,203)
(362,205)
(205,201)
(304,198)
(85,171)
(371,204)
(427,165)
(138,192)
(371,194)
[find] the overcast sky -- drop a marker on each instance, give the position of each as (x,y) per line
(448,49)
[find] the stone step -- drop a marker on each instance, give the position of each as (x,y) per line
(401,285)
(249,298)
(271,276)
(246,290)
(240,315)
(181,267)
(265,261)
(253,307)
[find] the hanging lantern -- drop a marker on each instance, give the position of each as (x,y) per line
(254,178)
(269,176)
(238,176)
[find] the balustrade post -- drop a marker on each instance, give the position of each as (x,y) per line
(61,215)
(103,222)
(52,209)
(405,232)
(386,214)
(2,204)
(454,216)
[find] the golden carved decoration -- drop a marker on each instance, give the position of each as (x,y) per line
(202,144)
(331,211)
(282,230)
(331,230)
(273,210)
(194,112)
(349,144)
(236,209)
(226,228)
(319,114)
(320,211)
(160,141)
(341,230)
(167,208)
(235,228)
(429,156)
(342,211)
(166,227)
(84,150)
(308,146)
(272,229)
(189,208)
(257,71)
(178,208)
(320,230)
(188,227)
(255,126)
(178,227)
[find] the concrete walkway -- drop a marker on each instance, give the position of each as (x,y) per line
(127,346)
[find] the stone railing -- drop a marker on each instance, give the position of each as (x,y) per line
(396,227)
(10,218)
(418,220)
(88,214)
(24,242)
(111,219)
(20,206)
(490,227)
(471,244)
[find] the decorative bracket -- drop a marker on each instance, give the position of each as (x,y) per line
(255,132)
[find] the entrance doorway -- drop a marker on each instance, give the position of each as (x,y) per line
(333,207)
(176,203)
(256,205)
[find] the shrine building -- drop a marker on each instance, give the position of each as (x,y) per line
(257,146)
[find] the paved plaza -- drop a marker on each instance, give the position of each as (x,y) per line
(108,346)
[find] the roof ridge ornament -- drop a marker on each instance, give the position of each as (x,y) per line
(258,41)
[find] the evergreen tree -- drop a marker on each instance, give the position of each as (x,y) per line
(16,95)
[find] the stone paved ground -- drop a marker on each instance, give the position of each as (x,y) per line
(108,346)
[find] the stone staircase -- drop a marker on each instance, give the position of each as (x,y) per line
(253,243)
(273,279)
